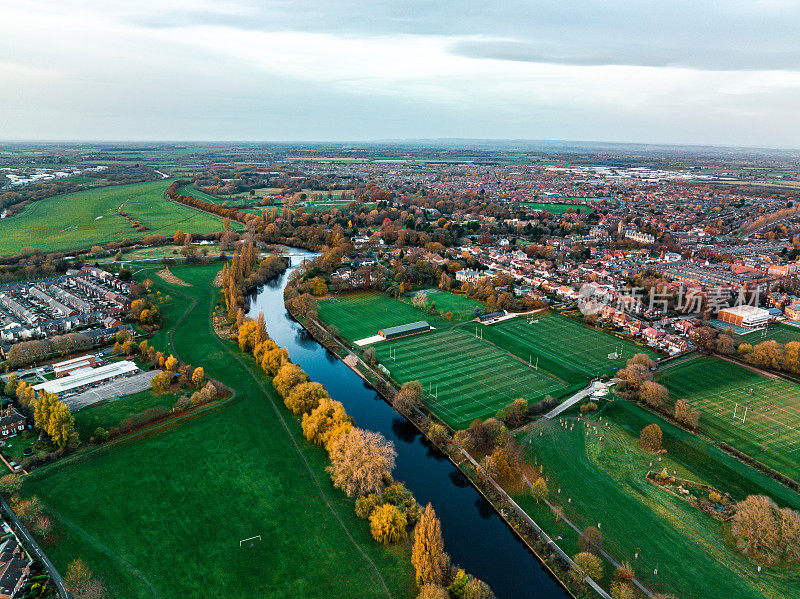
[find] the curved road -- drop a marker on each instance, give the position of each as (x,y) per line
(33,547)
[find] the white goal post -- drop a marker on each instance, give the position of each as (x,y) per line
(251,541)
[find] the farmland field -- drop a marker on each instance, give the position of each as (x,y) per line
(770,432)
(564,347)
(93,218)
(162,516)
(470,379)
(605,483)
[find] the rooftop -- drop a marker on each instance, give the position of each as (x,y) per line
(87,376)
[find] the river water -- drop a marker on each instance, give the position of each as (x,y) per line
(474,535)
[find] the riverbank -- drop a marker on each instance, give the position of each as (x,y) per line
(190,493)
(557,563)
(474,533)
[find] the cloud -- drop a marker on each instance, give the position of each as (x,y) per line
(622,53)
(346,69)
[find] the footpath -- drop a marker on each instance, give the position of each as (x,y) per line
(595,387)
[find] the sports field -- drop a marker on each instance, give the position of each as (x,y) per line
(604,482)
(477,377)
(564,347)
(461,306)
(767,410)
(464,378)
(84,218)
(363,314)
(162,516)
(782,333)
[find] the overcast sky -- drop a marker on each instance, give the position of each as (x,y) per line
(725,72)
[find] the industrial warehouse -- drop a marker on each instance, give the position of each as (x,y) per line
(87,377)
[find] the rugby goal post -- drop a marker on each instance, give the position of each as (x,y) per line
(249,542)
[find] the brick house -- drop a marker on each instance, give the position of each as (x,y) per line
(15,567)
(11,422)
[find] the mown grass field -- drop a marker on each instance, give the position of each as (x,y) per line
(363,314)
(461,306)
(84,218)
(468,378)
(770,432)
(564,347)
(781,333)
(605,483)
(475,378)
(162,516)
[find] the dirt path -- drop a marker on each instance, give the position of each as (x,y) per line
(167,276)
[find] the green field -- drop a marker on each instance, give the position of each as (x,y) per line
(110,414)
(469,378)
(78,220)
(162,516)
(771,429)
(363,314)
(461,306)
(605,482)
(475,379)
(556,208)
(781,333)
(163,251)
(564,347)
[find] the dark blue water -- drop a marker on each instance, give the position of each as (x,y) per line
(474,535)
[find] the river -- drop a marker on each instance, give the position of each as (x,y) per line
(474,535)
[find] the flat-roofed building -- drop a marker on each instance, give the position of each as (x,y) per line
(404,330)
(84,378)
(745,316)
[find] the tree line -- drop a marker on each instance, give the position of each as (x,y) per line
(360,464)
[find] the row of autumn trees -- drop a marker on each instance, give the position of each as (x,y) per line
(243,273)
(770,354)
(219,210)
(361,463)
(492,444)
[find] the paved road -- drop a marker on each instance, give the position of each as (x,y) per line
(34,548)
(593,388)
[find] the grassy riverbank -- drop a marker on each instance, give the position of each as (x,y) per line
(163,516)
